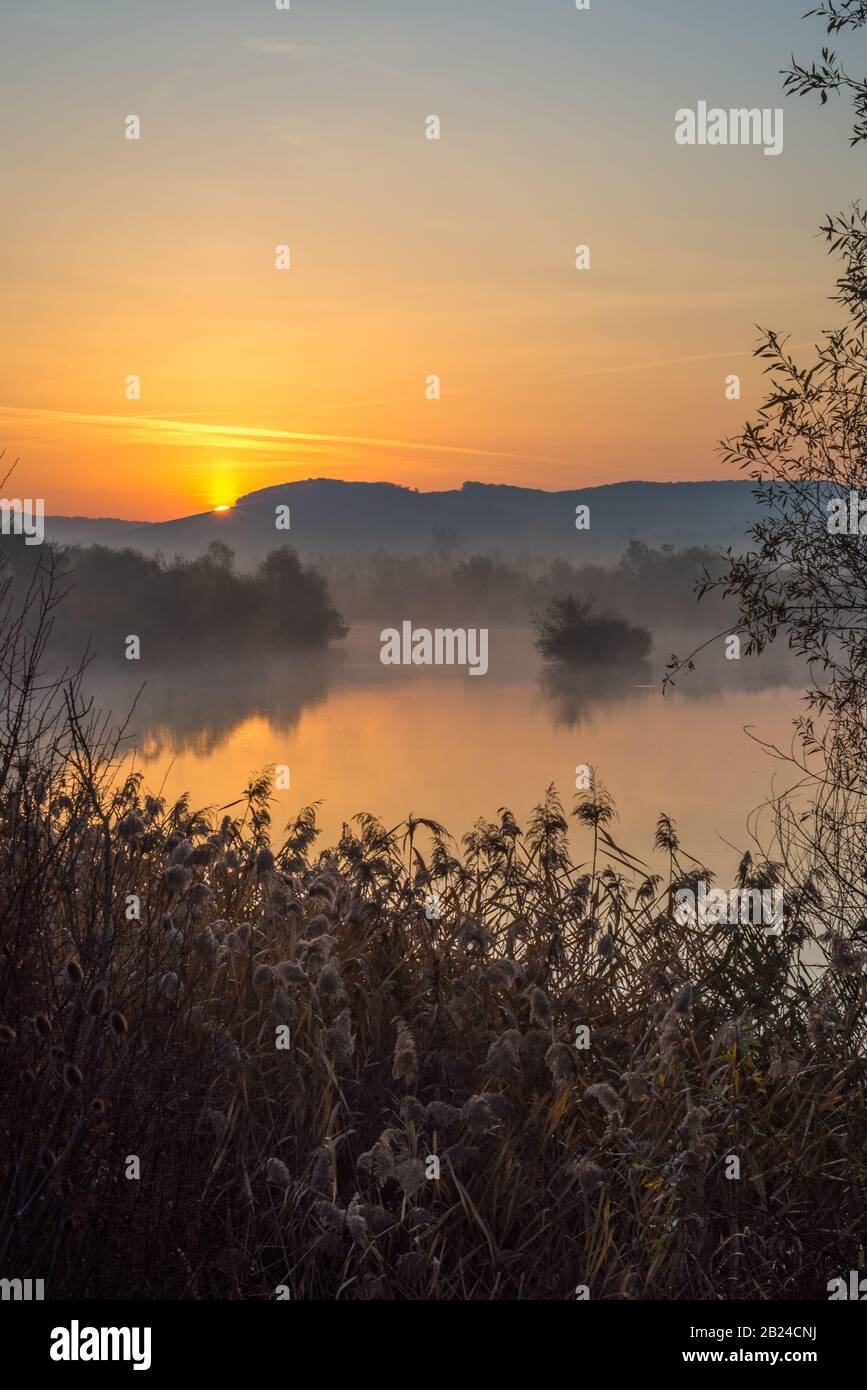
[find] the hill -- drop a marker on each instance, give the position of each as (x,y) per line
(328,515)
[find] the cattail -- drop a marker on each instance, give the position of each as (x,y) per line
(74,972)
(72,1076)
(277,1173)
(42,1025)
(97,1001)
(118,1022)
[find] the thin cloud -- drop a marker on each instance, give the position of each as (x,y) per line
(176,432)
(677,361)
(310,55)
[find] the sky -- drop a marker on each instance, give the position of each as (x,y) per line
(155,258)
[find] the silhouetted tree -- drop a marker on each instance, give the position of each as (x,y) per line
(569,632)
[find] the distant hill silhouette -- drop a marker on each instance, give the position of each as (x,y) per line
(328,515)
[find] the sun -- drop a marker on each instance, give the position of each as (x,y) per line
(223,507)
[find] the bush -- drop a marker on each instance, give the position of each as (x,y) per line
(569,632)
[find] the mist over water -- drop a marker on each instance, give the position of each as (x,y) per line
(359,736)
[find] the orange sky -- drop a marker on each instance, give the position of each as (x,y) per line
(409,257)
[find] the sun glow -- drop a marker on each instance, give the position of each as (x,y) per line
(224,507)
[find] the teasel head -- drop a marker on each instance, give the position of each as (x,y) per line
(97,1106)
(7,1034)
(72,1076)
(118,1023)
(97,1000)
(48,1159)
(42,1025)
(74,972)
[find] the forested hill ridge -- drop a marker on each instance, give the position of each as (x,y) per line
(326,514)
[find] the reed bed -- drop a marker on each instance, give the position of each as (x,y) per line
(234,1065)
